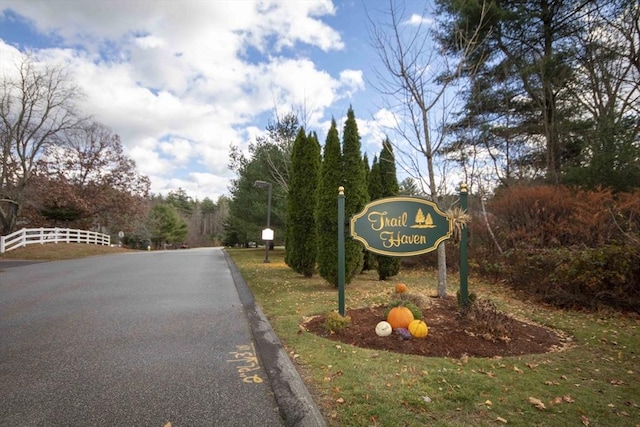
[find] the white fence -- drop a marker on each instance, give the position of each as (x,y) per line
(27,236)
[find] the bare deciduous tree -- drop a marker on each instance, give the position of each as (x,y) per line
(415,93)
(36,107)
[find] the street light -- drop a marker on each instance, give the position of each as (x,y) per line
(267,233)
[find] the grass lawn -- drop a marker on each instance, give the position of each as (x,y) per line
(58,251)
(594,383)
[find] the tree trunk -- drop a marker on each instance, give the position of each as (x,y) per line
(442,271)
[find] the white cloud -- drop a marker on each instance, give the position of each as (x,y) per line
(352,81)
(386,118)
(179,149)
(197,185)
(417,20)
(181,81)
(150,42)
(147,158)
(289,22)
(10,58)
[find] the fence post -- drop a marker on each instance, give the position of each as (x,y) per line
(464,264)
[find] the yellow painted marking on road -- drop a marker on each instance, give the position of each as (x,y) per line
(246,356)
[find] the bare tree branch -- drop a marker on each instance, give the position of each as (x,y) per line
(415,94)
(36,107)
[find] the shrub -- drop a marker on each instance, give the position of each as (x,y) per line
(550,216)
(486,321)
(409,297)
(564,246)
(334,322)
(578,277)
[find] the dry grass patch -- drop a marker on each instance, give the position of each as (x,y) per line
(59,251)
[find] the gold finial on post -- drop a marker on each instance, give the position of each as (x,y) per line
(463,187)
(341,191)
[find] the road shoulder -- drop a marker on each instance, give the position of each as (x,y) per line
(294,400)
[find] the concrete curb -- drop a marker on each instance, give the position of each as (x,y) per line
(294,400)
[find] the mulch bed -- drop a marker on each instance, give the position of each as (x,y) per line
(450,334)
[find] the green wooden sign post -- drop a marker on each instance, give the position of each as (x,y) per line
(400,226)
(464,263)
(341,260)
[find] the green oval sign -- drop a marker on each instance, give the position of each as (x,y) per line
(401,226)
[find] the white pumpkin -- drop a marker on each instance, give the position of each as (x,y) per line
(383,329)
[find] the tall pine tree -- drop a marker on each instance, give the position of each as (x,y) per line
(301,242)
(355,191)
(387,266)
(524,65)
(327,207)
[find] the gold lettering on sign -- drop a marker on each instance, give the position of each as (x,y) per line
(396,239)
(382,220)
(401,226)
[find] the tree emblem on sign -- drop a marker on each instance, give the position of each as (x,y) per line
(422,221)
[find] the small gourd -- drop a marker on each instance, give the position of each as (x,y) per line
(400,317)
(404,333)
(383,329)
(418,329)
(401,288)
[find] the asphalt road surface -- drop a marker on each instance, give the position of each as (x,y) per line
(138,339)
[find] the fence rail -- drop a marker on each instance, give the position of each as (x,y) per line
(28,236)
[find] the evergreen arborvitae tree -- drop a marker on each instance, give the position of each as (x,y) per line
(327,207)
(367,171)
(301,242)
(369,258)
(374,181)
(388,178)
(387,266)
(355,191)
(375,191)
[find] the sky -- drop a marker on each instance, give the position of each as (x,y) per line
(181,81)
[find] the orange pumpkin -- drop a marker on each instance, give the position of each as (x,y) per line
(401,288)
(418,329)
(399,317)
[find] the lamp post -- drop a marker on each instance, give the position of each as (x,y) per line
(267,233)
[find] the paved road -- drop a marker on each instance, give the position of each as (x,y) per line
(141,339)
